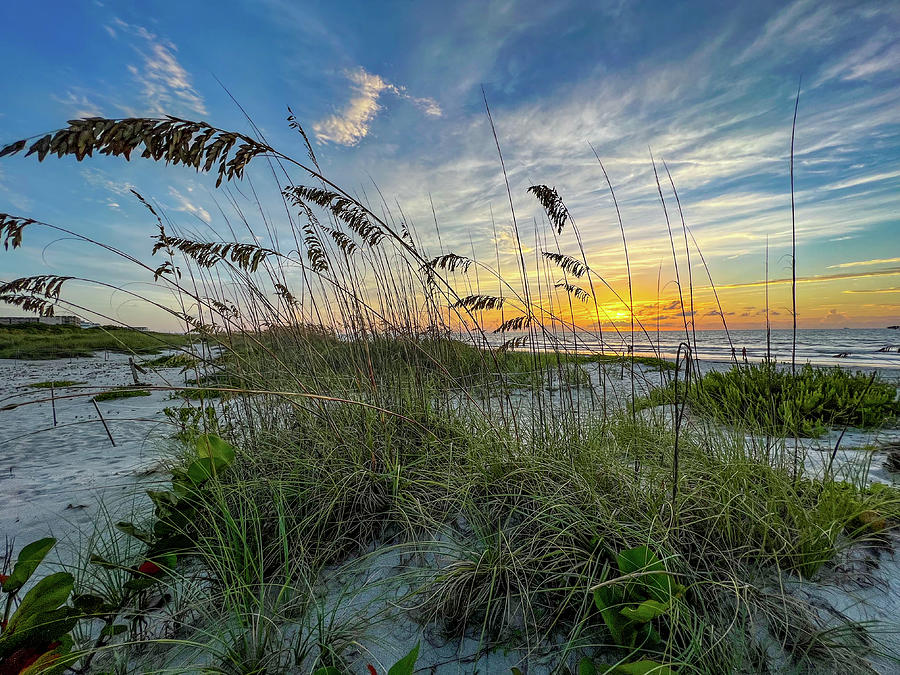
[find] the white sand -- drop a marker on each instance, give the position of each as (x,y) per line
(51,479)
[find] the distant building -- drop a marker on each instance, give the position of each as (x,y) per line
(62,320)
(89,324)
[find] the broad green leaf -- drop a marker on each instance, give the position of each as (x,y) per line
(656,581)
(644,667)
(167,560)
(38,628)
(586,667)
(29,559)
(181,484)
(646,611)
(47,594)
(203,469)
(609,601)
(515,671)
(55,661)
(170,542)
(654,640)
(140,583)
(328,670)
(642,636)
(92,605)
(639,559)
(162,499)
(407,664)
(213,447)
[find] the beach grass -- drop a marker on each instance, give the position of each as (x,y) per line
(118,394)
(54,384)
(503,539)
(374,465)
(171,361)
(768,398)
(38,341)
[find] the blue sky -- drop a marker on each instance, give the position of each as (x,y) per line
(391,92)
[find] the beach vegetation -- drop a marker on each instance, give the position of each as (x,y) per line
(177,360)
(385,461)
(41,341)
(117,394)
(54,384)
(769,398)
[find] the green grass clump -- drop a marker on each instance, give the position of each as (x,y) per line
(414,361)
(523,528)
(54,384)
(120,393)
(647,361)
(770,399)
(40,341)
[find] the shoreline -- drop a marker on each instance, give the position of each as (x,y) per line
(892,368)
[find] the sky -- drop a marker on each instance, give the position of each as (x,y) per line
(392,93)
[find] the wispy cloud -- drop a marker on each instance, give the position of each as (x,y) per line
(861,263)
(122,192)
(726,139)
(817,278)
(878,55)
(507,245)
(101,179)
(872,290)
(862,180)
(165,84)
(352,124)
(184,204)
(796,26)
(79,104)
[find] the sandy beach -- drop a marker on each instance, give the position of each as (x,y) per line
(63,480)
(53,478)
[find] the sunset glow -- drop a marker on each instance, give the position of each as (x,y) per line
(401,118)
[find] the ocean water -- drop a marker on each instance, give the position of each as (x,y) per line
(863,348)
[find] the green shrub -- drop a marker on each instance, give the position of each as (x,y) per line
(172,361)
(770,399)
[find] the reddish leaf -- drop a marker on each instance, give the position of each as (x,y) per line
(149,568)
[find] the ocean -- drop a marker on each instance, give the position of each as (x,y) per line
(863,348)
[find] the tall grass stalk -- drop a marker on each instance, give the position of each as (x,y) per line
(612,194)
(794,238)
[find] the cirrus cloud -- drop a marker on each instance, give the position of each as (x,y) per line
(352,124)
(166,85)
